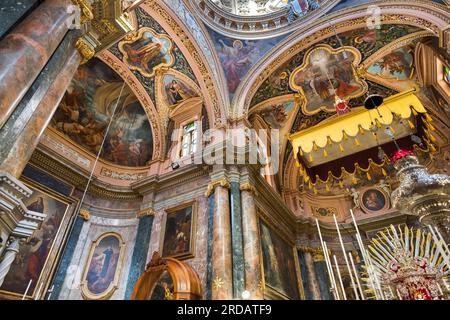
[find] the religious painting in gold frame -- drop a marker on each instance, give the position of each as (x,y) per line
(279,265)
(103,267)
(147,51)
(39,255)
(325,74)
(374,200)
(178,232)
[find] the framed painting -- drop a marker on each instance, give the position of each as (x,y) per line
(103,267)
(279,265)
(373,200)
(178,232)
(36,261)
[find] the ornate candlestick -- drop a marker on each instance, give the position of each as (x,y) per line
(422,194)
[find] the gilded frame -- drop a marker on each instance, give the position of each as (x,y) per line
(114,285)
(192,245)
(386,196)
(133,37)
(306,63)
(56,249)
(269,292)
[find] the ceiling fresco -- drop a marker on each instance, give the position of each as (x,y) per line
(366,41)
(169,51)
(238,56)
(96,97)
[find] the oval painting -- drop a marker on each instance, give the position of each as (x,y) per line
(101,275)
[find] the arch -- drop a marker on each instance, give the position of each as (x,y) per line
(146,102)
(186,281)
(423,14)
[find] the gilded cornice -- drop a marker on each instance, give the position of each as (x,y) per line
(223,182)
(169,180)
(260,26)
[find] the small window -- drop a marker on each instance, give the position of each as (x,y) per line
(189,140)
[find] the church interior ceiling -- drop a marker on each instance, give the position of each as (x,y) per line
(116,157)
(381,61)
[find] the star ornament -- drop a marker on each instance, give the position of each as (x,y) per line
(218,283)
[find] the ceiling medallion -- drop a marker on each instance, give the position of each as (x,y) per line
(327,78)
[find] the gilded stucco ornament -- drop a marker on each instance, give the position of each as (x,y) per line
(86,13)
(85,49)
(103,23)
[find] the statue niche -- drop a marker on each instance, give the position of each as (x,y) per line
(167,279)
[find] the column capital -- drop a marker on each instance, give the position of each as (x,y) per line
(223,182)
(247,186)
(13,244)
(86,13)
(145,212)
(85,50)
(19,221)
(317,253)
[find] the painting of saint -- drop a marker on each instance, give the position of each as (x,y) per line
(176,90)
(278,262)
(238,56)
(147,51)
(395,65)
(177,236)
(327,74)
(31,260)
(95,98)
(373,200)
(102,265)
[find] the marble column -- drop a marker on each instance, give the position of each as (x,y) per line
(22,132)
(27,48)
(311,274)
(237,246)
(252,245)
(222,281)
(8,259)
